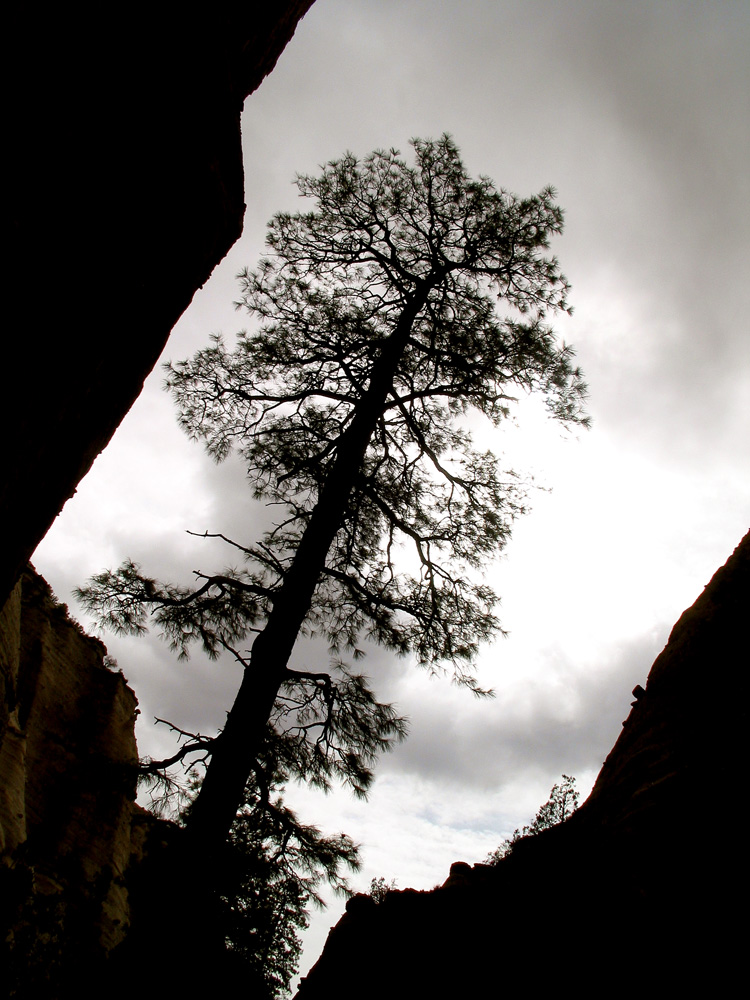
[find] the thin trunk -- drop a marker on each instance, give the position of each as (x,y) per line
(234,751)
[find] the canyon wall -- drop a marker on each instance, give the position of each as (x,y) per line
(67,789)
(636,894)
(125,189)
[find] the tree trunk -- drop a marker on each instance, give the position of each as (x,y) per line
(236,748)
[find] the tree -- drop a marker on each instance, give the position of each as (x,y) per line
(379,888)
(562,803)
(378,337)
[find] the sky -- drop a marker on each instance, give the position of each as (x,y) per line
(638,113)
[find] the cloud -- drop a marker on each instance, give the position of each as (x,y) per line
(562,716)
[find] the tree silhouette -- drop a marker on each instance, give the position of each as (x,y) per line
(274,868)
(562,803)
(378,337)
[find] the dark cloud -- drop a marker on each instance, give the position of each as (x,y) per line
(637,112)
(563,718)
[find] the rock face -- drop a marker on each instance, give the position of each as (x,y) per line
(125,184)
(125,189)
(67,788)
(635,893)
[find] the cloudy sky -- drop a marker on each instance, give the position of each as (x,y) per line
(638,114)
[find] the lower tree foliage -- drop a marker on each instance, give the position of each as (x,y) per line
(273,870)
(379,888)
(562,803)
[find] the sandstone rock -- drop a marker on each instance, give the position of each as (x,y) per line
(68,774)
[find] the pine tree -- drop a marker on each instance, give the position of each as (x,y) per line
(377,336)
(562,803)
(273,871)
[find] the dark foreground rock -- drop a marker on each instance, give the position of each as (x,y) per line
(641,892)
(125,190)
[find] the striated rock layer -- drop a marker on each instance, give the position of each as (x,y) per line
(67,788)
(634,894)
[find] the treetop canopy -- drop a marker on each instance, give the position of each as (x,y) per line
(377,329)
(377,325)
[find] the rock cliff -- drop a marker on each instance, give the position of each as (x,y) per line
(637,893)
(67,789)
(125,183)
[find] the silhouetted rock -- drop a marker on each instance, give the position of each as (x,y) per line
(634,893)
(125,189)
(640,892)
